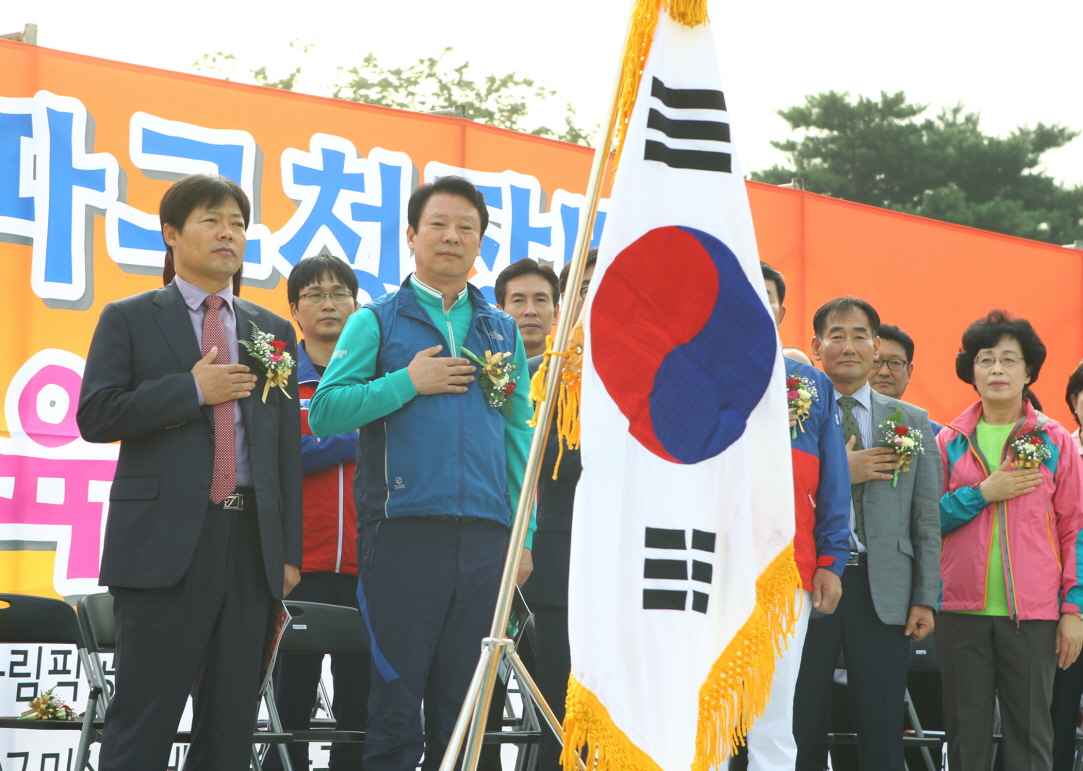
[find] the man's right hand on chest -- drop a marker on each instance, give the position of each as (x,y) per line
(432,374)
(874,463)
(222,382)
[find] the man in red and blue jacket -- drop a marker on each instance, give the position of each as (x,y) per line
(322,293)
(821,490)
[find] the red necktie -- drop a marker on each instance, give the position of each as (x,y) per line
(225,427)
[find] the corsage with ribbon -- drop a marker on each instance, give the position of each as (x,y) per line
(499,375)
(272,357)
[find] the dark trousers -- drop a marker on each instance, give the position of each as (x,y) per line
(876,655)
(297,678)
(553,664)
(1067,687)
(982,657)
(428,593)
(204,636)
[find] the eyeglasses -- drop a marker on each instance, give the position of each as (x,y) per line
(316,298)
(985,361)
(895,365)
(583,291)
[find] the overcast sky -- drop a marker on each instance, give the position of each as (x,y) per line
(1016,63)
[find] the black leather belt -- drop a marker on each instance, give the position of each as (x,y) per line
(242,499)
(858,558)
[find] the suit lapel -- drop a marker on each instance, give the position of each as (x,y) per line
(881,408)
(171,315)
(246,320)
(875,492)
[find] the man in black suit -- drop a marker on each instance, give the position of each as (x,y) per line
(204,529)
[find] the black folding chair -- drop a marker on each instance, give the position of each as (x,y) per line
(96,618)
(29,619)
(99,632)
(320,629)
(329,629)
(522,730)
(922,657)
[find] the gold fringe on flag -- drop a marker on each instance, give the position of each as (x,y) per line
(690,13)
(735,693)
(587,724)
(568,392)
(738,688)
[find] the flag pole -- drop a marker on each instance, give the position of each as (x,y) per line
(472,718)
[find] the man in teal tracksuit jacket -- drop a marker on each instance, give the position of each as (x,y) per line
(439,474)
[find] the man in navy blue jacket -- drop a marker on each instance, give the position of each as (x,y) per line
(441,463)
(322,293)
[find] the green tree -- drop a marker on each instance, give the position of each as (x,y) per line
(428,85)
(882,153)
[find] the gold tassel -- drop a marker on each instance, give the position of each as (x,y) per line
(739,686)
(587,724)
(735,693)
(568,390)
(537,383)
(691,13)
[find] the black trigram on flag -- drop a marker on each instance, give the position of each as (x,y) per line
(672,569)
(690,155)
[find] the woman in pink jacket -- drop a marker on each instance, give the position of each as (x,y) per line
(1010,516)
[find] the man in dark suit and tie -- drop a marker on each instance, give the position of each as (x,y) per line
(892,580)
(204,529)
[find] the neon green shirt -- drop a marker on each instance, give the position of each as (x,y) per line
(991,440)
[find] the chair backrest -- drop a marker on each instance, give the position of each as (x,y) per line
(923,657)
(30,619)
(319,628)
(97,622)
(524,617)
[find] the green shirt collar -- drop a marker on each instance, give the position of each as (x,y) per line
(426,295)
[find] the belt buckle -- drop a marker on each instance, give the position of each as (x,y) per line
(855,558)
(233,502)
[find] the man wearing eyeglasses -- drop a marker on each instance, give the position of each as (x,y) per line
(322,292)
(894,365)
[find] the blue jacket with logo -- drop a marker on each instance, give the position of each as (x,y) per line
(444,453)
(821,482)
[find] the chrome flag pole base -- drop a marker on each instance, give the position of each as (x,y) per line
(470,727)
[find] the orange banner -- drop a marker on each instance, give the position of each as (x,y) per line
(930,278)
(88,147)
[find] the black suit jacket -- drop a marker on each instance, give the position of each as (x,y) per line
(138,388)
(548,584)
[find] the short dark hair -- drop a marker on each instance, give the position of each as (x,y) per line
(770,274)
(311,270)
(450,185)
(1075,385)
(844,305)
(592,258)
(896,335)
(526,267)
(986,333)
(182,198)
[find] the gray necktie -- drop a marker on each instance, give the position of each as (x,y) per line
(851,428)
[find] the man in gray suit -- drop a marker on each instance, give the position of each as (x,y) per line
(204,530)
(891,583)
